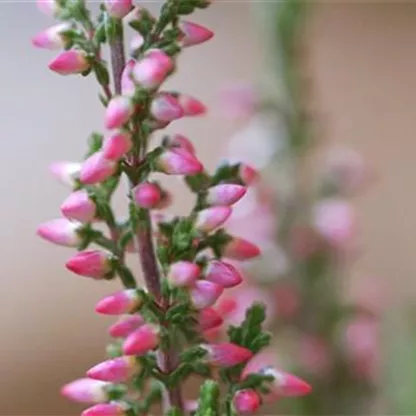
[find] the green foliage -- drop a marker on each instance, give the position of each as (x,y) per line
(209,399)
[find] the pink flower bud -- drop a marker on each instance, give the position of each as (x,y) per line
(65,172)
(183,273)
(49,7)
(191,106)
(153,69)
(90,263)
(147,195)
(246,402)
(286,384)
(175,162)
(125,326)
(70,62)
(225,194)
(165,107)
(227,354)
(181,142)
(142,340)
(117,370)
(136,42)
(61,232)
(118,112)
(127,85)
(117,145)
(106,409)
(137,14)
(211,218)
(223,274)
(52,38)
(78,206)
(97,169)
(118,8)
(208,319)
(125,301)
(240,249)
(194,34)
(248,174)
(86,390)
(205,293)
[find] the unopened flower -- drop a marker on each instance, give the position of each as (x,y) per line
(246,402)
(116,145)
(183,273)
(90,263)
(209,318)
(61,232)
(248,174)
(223,274)
(211,218)
(86,390)
(225,194)
(125,301)
(191,106)
(118,112)
(205,293)
(70,62)
(78,206)
(97,169)
(137,14)
(118,8)
(240,249)
(49,7)
(181,142)
(147,195)
(106,409)
(66,172)
(53,37)
(116,370)
(194,34)
(128,87)
(176,162)
(141,341)
(125,325)
(165,107)
(152,70)
(226,354)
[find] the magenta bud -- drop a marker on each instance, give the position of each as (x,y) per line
(78,206)
(97,169)
(49,7)
(70,62)
(165,107)
(225,194)
(106,409)
(246,402)
(211,218)
(286,384)
(118,8)
(181,142)
(183,273)
(65,172)
(147,195)
(178,162)
(125,326)
(240,249)
(209,318)
(248,174)
(227,354)
(223,274)
(61,232)
(205,293)
(52,38)
(117,145)
(125,301)
(191,106)
(90,263)
(86,390)
(118,112)
(117,370)
(142,340)
(128,87)
(194,34)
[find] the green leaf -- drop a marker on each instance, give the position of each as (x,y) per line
(95,142)
(101,73)
(209,397)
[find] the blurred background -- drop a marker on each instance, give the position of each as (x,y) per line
(360,65)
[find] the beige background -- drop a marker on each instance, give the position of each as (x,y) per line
(363,64)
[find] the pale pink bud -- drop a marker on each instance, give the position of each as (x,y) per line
(225,194)
(117,145)
(246,402)
(227,354)
(118,8)
(118,112)
(136,42)
(61,232)
(183,273)
(165,107)
(90,263)
(286,384)
(205,293)
(52,38)
(65,172)
(70,62)
(106,409)
(240,249)
(194,34)
(49,7)
(97,169)
(127,85)
(223,274)
(125,301)
(181,142)
(248,174)
(125,326)
(117,370)
(174,162)
(147,195)
(211,218)
(191,106)
(153,69)
(161,57)
(208,319)
(142,340)
(78,206)
(86,390)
